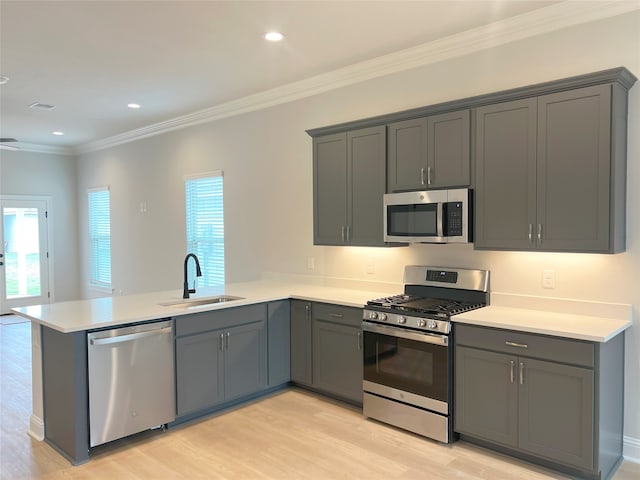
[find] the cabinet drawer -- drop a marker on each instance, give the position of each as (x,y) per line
(338,314)
(557,349)
(215,319)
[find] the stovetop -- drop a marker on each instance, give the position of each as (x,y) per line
(431,296)
(421,306)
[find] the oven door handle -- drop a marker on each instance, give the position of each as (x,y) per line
(404,333)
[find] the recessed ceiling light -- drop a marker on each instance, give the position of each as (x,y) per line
(274,36)
(133,105)
(58,133)
(42,106)
(3,79)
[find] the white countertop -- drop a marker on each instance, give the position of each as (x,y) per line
(595,322)
(80,315)
(591,321)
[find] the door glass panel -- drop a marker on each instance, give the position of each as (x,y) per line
(22,252)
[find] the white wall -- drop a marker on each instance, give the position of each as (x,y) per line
(27,173)
(266,158)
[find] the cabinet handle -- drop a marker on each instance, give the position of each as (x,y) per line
(514,344)
(539,233)
(348,233)
(521,373)
(530,233)
(342,233)
(359,339)
(422,176)
(336,315)
(228,336)
(307,311)
(222,341)
(428,175)
(512,373)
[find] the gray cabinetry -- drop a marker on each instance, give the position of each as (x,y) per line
(220,356)
(301,346)
(337,351)
(429,152)
(326,349)
(279,344)
(348,184)
(541,397)
(550,172)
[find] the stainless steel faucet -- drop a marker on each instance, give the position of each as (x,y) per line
(187,290)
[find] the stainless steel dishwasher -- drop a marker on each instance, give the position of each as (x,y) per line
(131,380)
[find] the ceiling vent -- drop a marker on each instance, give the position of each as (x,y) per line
(42,106)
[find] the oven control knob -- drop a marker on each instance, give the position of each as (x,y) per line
(402,319)
(422,323)
(433,324)
(383,317)
(373,315)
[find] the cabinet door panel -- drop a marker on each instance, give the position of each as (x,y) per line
(366,180)
(337,359)
(301,346)
(245,360)
(449,156)
(199,372)
(486,395)
(574,169)
(407,155)
(330,189)
(279,343)
(506,175)
(556,412)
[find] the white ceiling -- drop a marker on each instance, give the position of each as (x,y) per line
(91,58)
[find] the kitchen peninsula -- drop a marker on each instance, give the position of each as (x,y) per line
(267,304)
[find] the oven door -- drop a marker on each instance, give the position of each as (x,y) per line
(407,366)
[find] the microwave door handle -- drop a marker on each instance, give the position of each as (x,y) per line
(439,221)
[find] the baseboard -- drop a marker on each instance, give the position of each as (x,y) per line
(631,449)
(36,428)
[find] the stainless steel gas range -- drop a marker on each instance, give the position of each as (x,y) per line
(408,352)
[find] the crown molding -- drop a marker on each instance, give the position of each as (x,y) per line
(537,22)
(50,149)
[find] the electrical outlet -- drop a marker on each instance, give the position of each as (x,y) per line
(371,266)
(311,263)
(549,279)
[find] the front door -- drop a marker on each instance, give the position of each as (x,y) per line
(24,257)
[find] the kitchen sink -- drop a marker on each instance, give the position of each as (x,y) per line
(201,302)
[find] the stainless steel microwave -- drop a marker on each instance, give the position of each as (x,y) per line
(431,216)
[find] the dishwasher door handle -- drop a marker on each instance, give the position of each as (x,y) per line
(130,337)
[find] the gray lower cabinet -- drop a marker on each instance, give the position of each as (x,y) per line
(550,172)
(541,397)
(429,152)
(348,184)
(326,349)
(337,350)
(220,356)
(279,342)
(301,344)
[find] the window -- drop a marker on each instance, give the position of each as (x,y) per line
(205,226)
(100,238)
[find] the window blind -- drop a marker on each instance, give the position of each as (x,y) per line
(205,226)
(100,237)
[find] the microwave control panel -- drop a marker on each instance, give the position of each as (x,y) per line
(453,215)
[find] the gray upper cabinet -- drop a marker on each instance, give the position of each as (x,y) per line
(550,172)
(348,185)
(429,152)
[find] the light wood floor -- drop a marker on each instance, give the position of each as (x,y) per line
(289,435)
